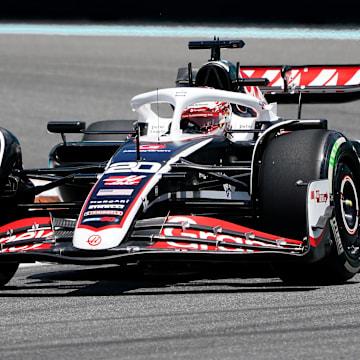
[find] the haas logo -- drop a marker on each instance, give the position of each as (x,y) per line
(320,198)
(123,180)
(94,240)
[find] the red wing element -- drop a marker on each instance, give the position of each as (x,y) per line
(316,83)
(26,234)
(209,234)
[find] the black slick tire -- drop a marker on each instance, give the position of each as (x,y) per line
(292,160)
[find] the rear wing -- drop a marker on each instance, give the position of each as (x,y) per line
(287,84)
(313,83)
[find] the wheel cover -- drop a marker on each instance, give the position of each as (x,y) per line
(349,205)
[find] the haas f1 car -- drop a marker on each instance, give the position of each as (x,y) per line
(208,173)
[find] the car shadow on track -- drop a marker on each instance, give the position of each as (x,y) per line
(115,281)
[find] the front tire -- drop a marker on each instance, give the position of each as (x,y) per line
(343,262)
(305,156)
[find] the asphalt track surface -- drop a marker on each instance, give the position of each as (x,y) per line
(99,312)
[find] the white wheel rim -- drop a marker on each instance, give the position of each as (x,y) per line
(347,203)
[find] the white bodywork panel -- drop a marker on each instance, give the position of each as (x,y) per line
(318,200)
(181,98)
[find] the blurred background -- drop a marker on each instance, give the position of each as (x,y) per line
(92,77)
(343,12)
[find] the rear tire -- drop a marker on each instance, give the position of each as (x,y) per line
(311,155)
(70,192)
(7,271)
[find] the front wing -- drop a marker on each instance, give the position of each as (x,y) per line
(187,238)
(183,237)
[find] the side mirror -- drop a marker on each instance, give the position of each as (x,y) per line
(66,127)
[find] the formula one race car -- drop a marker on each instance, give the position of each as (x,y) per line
(219,179)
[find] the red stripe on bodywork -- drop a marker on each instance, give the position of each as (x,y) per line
(315,242)
(134,202)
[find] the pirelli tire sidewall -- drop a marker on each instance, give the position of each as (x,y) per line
(343,172)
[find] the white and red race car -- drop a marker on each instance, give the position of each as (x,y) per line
(219,178)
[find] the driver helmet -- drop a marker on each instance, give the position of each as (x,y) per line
(205,118)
